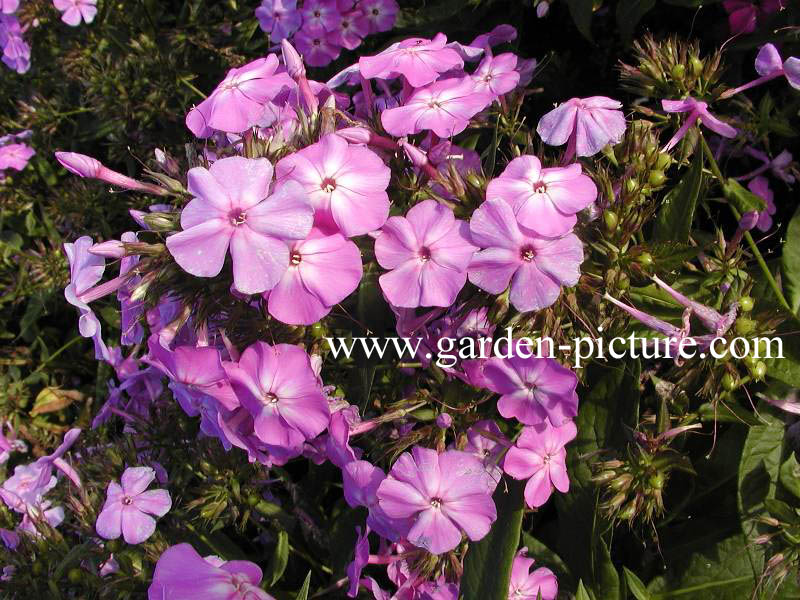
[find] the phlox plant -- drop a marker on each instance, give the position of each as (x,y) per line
(234,450)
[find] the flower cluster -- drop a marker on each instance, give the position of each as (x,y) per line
(321,28)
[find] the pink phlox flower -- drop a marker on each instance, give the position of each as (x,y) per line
(337,444)
(444,107)
(497,74)
(9,538)
(346,184)
(533,390)
(36,516)
(769,66)
(9,442)
(361,481)
(540,457)
(182,574)
(499,35)
(322,14)
(546,201)
(16,52)
(279,18)
(539,584)
(278,387)
(238,101)
(9,7)
(697,110)
(360,560)
(323,270)
(489,450)
(353,26)
(745,15)
(15,156)
(428,252)
(535,267)
(128,507)
(446,494)
(419,60)
(232,207)
(317,44)
(760,187)
(73,11)
(380,14)
(586,125)
(711,319)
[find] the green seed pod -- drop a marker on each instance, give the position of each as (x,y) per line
(628,511)
(656,178)
(657,480)
(631,185)
(645,259)
(728,382)
(746,303)
(744,326)
(750,361)
(604,476)
(760,370)
(75,575)
(623,282)
(623,482)
(678,72)
(696,66)
(611,220)
(664,160)
(318,330)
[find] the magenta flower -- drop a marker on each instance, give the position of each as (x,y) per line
(9,7)
(744,15)
(182,574)
(128,507)
(446,494)
(697,110)
(545,201)
(75,10)
(533,390)
(760,187)
(351,29)
(428,252)
(16,52)
(540,457)
(238,101)
(586,125)
(419,60)
(323,271)
(317,45)
(279,18)
(345,182)
(535,267)
(497,74)
(541,584)
(769,66)
(232,208)
(322,14)
(380,14)
(278,387)
(488,450)
(15,156)
(361,481)
(10,443)
(445,107)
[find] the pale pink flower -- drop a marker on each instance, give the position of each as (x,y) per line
(586,125)
(75,10)
(419,60)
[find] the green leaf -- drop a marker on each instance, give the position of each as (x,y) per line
(758,473)
(629,13)
(789,475)
(280,558)
(787,368)
(790,263)
(781,511)
(487,566)
(635,585)
(606,585)
(582,594)
(742,199)
(674,220)
(581,11)
(303,593)
(546,557)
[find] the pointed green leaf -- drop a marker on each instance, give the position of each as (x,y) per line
(303,593)
(635,585)
(674,221)
(629,13)
(790,263)
(280,558)
(581,11)
(487,566)
(790,475)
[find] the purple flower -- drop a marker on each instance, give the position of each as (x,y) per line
(279,18)
(419,60)
(497,74)
(541,584)
(232,208)
(697,110)
(9,7)
(444,107)
(540,457)
(360,560)
(323,271)
(446,494)
(534,266)
(709,317)
(760,187)
(361,481)
(9,538)
(350,30)
(9,443)
(428,252)
(317,45)
(75,10)
(769,65)
(16,52)
(744,15)
(499,35)
(533,390)
(587,125)
(182,574)
(487,449)
(345,182)
(15,156)
(278,387)
(238,101)
(322,14)
(545,201)
(380,14)
(128,507)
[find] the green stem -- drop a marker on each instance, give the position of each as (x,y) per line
(750,242)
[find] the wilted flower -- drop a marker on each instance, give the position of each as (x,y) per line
(586,125)
(697,110)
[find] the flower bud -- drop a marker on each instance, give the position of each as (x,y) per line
(678,72)
(748,220)
(158,221)
(628,511)
(656,178)
(444,421)
(611,220)
(621,483)
(746,303)
(110,249)
(292,60)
